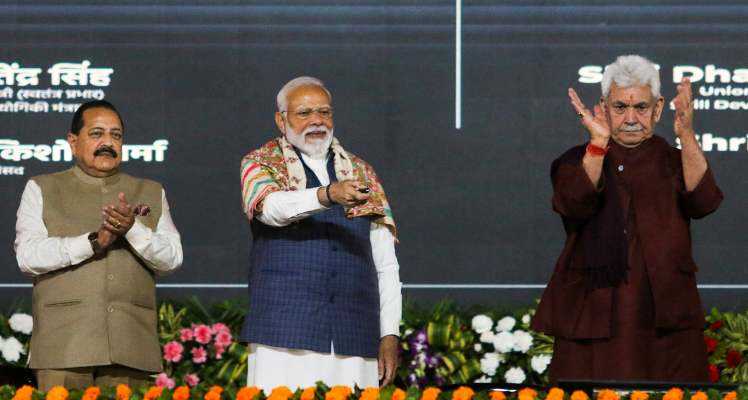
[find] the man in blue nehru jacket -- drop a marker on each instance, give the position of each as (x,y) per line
(324,286)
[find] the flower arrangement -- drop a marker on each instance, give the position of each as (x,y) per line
(726,341)
(15,333)
(193,351)
(441,346)
(451,350)
(322,391)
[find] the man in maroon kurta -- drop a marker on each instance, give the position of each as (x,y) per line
(622,302)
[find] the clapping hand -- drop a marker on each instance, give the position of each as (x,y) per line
(683,102)
(596,122)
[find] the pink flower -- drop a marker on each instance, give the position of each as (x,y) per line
(202,333)
(185,334)
(192,379)
(173,351)
(199,355)
(219,327)
(223,338)
(219,350)
(163,380)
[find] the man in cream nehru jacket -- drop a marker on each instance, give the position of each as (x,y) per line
(92,254)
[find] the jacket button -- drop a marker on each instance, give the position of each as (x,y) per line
(110,309)
(332,298)
(110,277)
(620,168)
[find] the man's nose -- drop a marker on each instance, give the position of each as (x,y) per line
(107,139)
(316,119)
(630,116)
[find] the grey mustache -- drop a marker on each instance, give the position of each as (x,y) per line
(631,128)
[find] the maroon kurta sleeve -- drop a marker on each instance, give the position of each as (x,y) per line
(703,199)
(574,195)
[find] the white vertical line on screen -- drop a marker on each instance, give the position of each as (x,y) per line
(458,64)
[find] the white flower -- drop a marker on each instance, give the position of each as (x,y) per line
(487,337)
(478,348)
(505,324)
(514,375)
(526,319)
(408,332)
(483,379)
(540,363)
(503,342)
(489,364)
(21,322)
(482,323)
(11,349)
(522,341)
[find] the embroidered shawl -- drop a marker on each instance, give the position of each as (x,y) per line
(276,167)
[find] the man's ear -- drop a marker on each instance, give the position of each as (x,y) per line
(280,123)
(658,107)
(73,141)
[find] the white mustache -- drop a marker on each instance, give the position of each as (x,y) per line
(632,128)
(311,129)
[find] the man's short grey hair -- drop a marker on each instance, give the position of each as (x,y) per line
(631,70)
(282,99)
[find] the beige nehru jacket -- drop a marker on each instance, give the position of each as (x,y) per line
(101,311)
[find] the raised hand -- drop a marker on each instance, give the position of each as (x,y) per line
(595,122)
(120,218)
(683,102)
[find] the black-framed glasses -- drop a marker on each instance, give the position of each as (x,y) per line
(305,113)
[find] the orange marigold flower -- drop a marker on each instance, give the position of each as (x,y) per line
(57,393)
(153,393)
(579,395)
(463,393)
(280,393)
(249,393)
(308,393)
(673,394)
(181,393)
(23,393)
(430,393)
(527,394)
(699,396)
(496,395)
(555,394)
(607,394)
(91,393)
(731,396)
(398,394)
(338,393)
(123,392)
(214,393)
(638,395)
(370,393)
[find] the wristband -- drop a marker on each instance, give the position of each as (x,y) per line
(596,150)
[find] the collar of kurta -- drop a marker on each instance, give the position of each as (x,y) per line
(95,180)
(276,167)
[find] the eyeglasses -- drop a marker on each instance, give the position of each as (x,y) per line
(305,113)
(640,108)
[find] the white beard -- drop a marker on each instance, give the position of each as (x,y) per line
(314,148)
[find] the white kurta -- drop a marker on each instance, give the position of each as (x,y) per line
(269,367)
(37,253)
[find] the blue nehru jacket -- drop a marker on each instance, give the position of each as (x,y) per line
(314,283)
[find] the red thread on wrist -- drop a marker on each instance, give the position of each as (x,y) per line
(596,150)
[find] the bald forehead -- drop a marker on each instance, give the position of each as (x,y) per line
(307,93)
